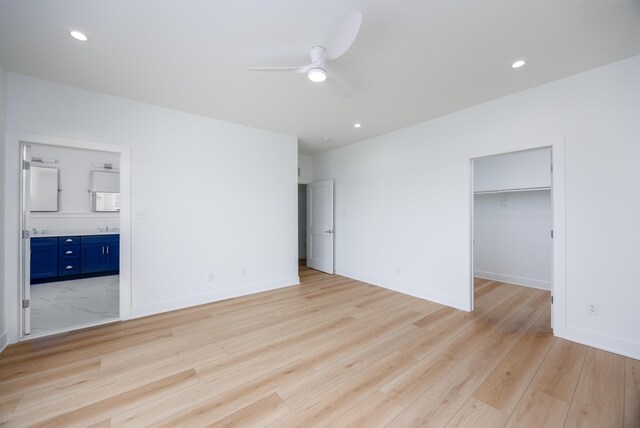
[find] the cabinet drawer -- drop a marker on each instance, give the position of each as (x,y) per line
(101,239)
(69,267)
(71,252)
(43,242)
(64,241)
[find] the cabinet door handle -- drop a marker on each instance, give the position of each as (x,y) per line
(68,241)
(103,249)
(69,267)
(69,252)
(107,249)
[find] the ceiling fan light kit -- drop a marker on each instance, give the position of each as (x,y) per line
(317,75)
(316,71)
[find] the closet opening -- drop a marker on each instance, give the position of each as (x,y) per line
(512,228)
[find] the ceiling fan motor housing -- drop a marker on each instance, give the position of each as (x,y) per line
(317,54)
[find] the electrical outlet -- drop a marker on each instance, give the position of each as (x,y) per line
(244,271)
(593,309)
(211,276)
(397,269)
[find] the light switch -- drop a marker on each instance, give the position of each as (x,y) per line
(141,214)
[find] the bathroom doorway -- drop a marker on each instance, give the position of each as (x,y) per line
(70,256)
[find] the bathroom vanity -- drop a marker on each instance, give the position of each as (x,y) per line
(60,257)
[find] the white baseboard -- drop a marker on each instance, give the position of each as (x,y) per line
(443,299)
(215,296)
(604,342)
(3,341)
(516,280)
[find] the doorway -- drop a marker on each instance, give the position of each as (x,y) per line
(302,224)
(320,226)
(512,221)
(70,246)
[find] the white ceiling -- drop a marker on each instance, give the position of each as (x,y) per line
(412,61)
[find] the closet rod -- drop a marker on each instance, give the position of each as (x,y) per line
(525,189)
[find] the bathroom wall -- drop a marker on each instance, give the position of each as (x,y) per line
(74,205)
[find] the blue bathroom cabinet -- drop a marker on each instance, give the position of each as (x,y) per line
(70,257)
(100,254)
(44,258)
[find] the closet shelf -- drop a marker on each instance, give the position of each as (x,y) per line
(526,189)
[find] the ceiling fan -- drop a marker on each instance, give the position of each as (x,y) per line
(316,71)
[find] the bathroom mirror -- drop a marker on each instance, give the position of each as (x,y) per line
(105,181)
(44,189)
(105,202)
(105,191)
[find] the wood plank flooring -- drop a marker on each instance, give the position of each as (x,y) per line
(330,352)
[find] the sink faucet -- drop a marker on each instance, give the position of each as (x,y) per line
(106,228)
(35,231)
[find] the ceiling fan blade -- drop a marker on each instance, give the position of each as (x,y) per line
(339,88)
(345,36)
(278,69)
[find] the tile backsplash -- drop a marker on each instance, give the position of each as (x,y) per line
(54,222)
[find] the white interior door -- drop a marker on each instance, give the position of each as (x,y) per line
(25,301)
(320,226)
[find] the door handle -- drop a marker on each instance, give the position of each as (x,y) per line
(103,249)
(69,252)
(328,231)
(107,249)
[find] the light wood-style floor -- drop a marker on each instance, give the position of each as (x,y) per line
(331,352)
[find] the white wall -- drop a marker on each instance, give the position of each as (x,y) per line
(3,116)
(529,169)
(305,165)
(401,198)
(219,197)
(512,239)
(302,221)
(74,205)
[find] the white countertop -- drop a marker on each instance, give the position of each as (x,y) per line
(56,233)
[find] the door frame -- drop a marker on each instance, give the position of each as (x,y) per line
(25,244)
(14,223)
(558,276)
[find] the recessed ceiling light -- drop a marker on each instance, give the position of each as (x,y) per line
(326,138)
(317,75)
(356,125)
(519,63)
(78,36)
